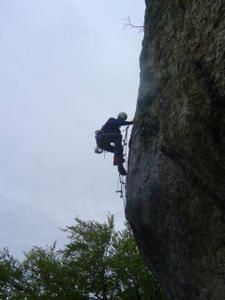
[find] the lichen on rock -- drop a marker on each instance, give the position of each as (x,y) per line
(176,175)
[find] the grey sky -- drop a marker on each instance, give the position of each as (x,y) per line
(65,67)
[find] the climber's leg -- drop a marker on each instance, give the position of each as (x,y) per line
(118,157)
(105,144)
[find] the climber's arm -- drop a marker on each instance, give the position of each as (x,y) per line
(120,122)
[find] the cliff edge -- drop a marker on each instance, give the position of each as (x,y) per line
(176,174)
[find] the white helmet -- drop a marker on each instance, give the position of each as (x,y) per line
(122,115)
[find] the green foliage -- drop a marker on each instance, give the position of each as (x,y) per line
(136,281)
(10,275)
(46,275)
(96,260)
(87,253)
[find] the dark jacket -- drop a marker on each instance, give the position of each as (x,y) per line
(113,125)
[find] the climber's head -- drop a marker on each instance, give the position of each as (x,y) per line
(122,115)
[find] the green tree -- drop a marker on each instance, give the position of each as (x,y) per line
(97,260)
(134,280)
(10,275)
(88,254)
(47,276)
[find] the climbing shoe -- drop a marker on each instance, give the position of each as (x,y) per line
(122,170)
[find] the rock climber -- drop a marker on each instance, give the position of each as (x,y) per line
(110,134)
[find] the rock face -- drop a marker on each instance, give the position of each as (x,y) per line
(176,175)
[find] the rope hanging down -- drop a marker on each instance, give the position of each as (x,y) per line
(121,184)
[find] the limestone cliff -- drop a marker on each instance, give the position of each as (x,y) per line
(176,175)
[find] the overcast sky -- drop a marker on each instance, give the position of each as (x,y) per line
(66,66)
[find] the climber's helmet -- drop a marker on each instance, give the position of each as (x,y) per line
(122,115)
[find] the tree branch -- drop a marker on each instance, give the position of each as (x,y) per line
(131,25)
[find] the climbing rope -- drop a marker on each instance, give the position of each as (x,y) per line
(122,182)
